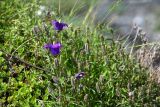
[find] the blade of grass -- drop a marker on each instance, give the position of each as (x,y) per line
(72,10)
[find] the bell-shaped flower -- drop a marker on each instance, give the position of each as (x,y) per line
(59,26)
(54,48)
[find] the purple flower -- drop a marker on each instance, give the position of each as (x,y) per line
(59,26)
(53,48)
(79,75)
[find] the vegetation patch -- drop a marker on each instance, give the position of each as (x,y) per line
(52,62)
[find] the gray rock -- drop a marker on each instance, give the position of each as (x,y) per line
(144,13)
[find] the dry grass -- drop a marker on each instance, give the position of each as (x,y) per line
(149,56)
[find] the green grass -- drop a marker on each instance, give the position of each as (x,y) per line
(30,76)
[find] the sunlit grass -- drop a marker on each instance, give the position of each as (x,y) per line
(31,76)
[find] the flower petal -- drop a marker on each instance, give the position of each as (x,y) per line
(47,46)
(55,51)
(53,48)
(59,26)
(79,75)
(57,45)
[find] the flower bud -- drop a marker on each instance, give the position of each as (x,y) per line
(97,87)
(36,30)
(86,48)
(73,82)
(56,62)
(101,79)
(86,97)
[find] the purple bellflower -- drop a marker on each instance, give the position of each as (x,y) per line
(79,75)
(59,26)
(54,48)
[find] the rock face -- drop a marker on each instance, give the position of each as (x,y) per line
(144,13)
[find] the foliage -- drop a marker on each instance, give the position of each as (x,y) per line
(30,76)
